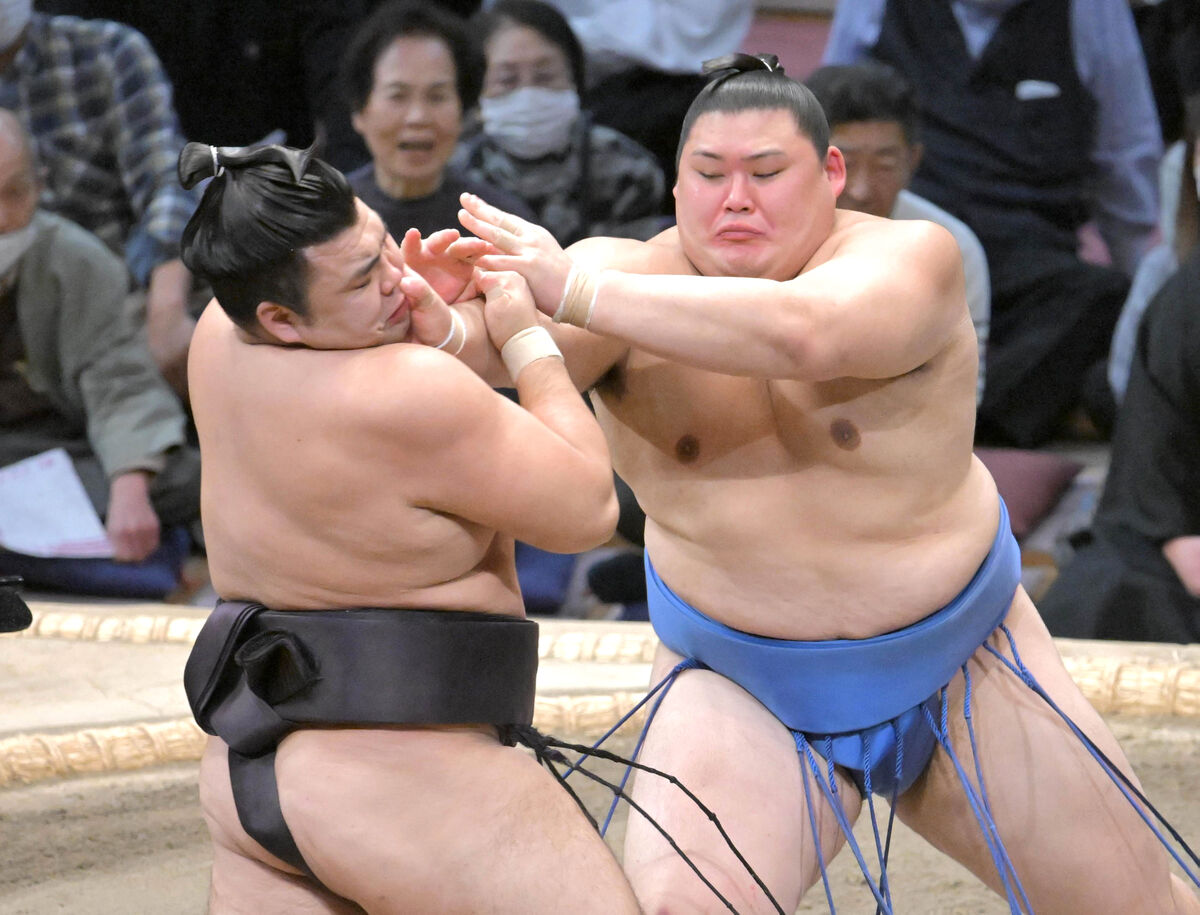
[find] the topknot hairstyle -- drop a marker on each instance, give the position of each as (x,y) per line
(750,82)
(262,208)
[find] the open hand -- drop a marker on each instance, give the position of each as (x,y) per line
(436,260)
(519,246)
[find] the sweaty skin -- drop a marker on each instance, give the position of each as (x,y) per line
(789,390)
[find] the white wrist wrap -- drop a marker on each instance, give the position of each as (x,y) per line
(526,346)
(579,298)
(458,328)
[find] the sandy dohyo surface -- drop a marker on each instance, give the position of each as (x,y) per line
(134,844)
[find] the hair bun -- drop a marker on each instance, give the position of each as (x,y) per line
(198,161)
(730,64)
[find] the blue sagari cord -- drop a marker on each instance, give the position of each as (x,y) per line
(977,797)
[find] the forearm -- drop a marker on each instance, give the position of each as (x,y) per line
(731,325)
(1183,553)
(170,285)
(546,391)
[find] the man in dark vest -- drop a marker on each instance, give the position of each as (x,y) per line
(1037,117)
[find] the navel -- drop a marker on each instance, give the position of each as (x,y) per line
(844,434)
(687,449)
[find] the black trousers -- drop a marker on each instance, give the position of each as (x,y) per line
(1052,320)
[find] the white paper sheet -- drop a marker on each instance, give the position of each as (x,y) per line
(45,511)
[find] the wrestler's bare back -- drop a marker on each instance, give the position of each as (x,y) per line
(841,509)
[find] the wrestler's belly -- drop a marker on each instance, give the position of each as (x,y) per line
(823,562)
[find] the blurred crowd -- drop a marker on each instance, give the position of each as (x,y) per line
(1055,139)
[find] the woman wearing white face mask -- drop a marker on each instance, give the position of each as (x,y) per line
(580,178)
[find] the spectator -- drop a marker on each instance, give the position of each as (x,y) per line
(94,98)
(410,73)
(1036,115)
(253,55)
(581,179)
(1136,575)
(873,120)
(644,60)
(74,369)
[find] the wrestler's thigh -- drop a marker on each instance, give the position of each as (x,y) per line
(731,752)
(1076,843)
(442,821)
(246,878)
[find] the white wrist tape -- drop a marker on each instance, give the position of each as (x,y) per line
(579,298)
(526,346)
(457,329)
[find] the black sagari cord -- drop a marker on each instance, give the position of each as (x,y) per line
(14,612)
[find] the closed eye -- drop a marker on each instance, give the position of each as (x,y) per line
(768,174)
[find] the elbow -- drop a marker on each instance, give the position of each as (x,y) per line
(596,521)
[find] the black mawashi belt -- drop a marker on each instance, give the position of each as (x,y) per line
(254,674)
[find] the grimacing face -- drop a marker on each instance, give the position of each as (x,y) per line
(354,295)
(879,164)
(752,197)
(412,118)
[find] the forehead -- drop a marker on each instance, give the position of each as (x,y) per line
(346,251)
(740,134)
(868,136)
(414,60)
(515,43)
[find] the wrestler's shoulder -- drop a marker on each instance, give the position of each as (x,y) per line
(660,254)
(853,230)
(410,383)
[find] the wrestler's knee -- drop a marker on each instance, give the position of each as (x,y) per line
(665,885)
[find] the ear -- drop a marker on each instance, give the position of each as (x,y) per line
(280,323)
(835,170)
(356,122)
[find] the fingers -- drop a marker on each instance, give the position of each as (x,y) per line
(419,293)
(467,249)
(500,238)
(440,241)
(410,245)
(494,216)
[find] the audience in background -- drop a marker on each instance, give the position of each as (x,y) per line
(873,120)
(1036,116)
(99,108)
(644,60)
(410,73)
(1136,573)
(75,372)
(581,179)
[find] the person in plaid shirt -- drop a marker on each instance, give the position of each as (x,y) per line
(98,105)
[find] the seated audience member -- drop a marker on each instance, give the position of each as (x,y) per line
(98,106)
(580,178)
(643,62)
(75,372)
(410,72)
(1136,575)
(1180,234)
(873,120)
(1036,117)
(364,757)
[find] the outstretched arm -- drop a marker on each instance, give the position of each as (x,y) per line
(880,306)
